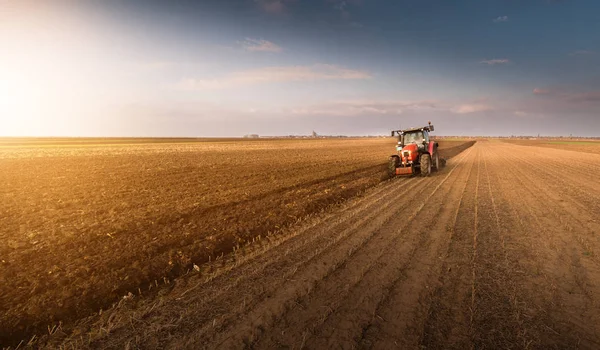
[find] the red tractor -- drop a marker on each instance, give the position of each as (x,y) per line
(416,153)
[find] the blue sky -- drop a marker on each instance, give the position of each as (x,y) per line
(278,67)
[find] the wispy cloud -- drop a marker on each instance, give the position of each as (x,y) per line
(271,6)
(343,7)
(364,107)
(495,61)
(581,53)
(538,91)
(500,19)
(571,95)
(471,108)
(391,107)
(590,96)
(277,75)
(261,45)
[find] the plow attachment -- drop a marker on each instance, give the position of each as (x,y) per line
(404,171)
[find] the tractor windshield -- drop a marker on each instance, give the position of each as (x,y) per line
(413,137)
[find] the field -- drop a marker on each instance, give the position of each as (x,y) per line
(84,222)
(581,146)
(498,250)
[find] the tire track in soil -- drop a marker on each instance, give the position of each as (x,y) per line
(216,296)
(497,305)
(397,319)
(105,294)
(575,213)
(189,321)
(448,323)
(573,216)
(578,162)
(572,313)
(304,275)
(529,254)
(334,305)
(523,321)
(501,264)
(586,189)
(209,293)
(256,318)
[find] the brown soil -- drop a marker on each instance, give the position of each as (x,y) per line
(84,222)
(587,146)
(498,250)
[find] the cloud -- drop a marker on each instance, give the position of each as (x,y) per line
(391,107)
(254,45)
(501,19)
(591,96)
(569,95)
(521,113)
(581,53)
(352,108)
(495,61)
(342,7)
(271,6)
(277,75)
(471,108)
(377,107)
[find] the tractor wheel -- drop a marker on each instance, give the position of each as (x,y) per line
(436,162)
(393,164)
(425,165)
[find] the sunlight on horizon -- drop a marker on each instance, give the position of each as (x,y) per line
(204,68)
(52,78)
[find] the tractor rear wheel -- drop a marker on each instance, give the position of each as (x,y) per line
(436,161)
(392,165)
(425,165)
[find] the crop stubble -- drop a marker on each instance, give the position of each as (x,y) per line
(499,250)
(83,223)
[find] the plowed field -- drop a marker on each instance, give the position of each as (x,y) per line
(84,222)
(499,250)
(589,146)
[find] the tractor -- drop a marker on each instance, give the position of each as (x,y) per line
(416,153)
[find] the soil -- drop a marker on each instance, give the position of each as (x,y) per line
(500,249)
(588,146)
(85,222)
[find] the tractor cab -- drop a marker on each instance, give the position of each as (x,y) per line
(416,153)
(419,137)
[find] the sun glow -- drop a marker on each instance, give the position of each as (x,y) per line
(28,96)
(51,82)
(20,112)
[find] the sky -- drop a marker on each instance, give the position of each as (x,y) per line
(219,68)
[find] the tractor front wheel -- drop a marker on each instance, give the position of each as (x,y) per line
(393,164)
(425,165)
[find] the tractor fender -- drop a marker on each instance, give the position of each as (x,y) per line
(432,147)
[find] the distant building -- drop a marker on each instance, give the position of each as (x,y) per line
(251,136)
